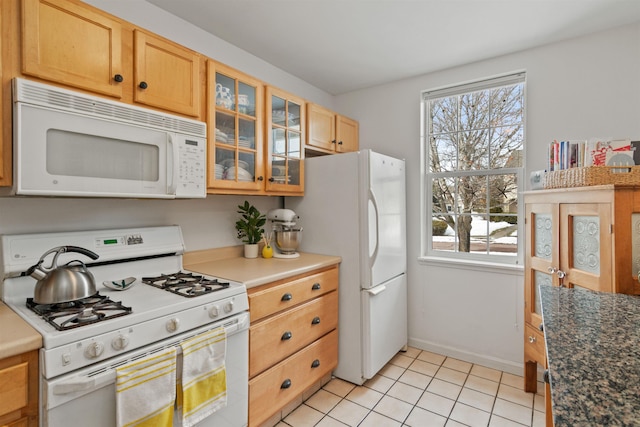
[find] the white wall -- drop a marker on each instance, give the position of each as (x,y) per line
(581,88)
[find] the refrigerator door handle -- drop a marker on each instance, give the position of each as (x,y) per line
(377,290)
(373,203)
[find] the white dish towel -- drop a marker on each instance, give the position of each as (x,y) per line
(204,377)
(146,390)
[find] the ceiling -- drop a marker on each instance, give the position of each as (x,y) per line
(344,45)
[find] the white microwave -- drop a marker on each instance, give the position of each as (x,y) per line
(67,143)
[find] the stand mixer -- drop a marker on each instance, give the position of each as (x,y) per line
(287,237)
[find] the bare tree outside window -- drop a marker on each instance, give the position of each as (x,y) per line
(475,142)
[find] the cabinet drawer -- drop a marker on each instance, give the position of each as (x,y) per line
(13,387)
(534,349)
(280,336)
(268,392)
(266,301)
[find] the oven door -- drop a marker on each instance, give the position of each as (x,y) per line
(87,397)
(69,154)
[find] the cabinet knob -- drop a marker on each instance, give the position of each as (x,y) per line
(260,178)
(315,287)
(286,383)
(333,141)
(546,377)
(271,179)
(315,363)
(315,321)
(143,85)
(286,336)
(286,297)
(532,339)
(339,142)
(118,78)
(541,327)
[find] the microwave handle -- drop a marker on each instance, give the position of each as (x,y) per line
(172,164)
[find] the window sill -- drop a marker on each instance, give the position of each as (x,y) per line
(488,267)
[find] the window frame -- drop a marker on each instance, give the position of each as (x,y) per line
(428,177)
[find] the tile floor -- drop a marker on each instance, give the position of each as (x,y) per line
(423,389)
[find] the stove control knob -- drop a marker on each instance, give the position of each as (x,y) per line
(120,342)
(94,350)
(173,324)
(214,312)
(228,307)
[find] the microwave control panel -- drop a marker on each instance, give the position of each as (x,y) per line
(192,158)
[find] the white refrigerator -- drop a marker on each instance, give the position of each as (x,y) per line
(354,206)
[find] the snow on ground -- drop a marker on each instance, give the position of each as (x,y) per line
(479,230)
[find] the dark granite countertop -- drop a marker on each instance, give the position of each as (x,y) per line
(593,350)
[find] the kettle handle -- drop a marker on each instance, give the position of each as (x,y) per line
(79,250)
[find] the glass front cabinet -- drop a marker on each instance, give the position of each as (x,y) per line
(285,137)
(235,120)
(572,238)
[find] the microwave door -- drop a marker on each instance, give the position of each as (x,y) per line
(66,154)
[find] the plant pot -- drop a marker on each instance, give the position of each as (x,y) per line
(251,251)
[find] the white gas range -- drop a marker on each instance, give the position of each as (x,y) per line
(84,341)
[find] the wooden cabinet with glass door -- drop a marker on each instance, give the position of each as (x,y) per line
(234,125)
(579,237)
(285,138)
(71,43)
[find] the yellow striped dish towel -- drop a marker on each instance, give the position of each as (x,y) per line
(204,377)
(146,390)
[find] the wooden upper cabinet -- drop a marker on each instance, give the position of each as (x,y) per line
(235,108)
(71,44)
(166,75)
(346,134)
(321,127)
(330,132)
(286,125)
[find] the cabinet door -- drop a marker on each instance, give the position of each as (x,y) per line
(321,127)
(166,75)
(285,139)
(542,255)
(347,131)
(234,117)
(585,239)
(72,44)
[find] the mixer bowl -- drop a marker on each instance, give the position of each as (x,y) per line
(288,240)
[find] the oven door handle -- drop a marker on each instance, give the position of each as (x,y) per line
(78,384)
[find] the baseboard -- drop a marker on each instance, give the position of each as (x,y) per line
(490,362)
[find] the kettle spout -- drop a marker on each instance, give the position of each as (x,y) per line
(36,271)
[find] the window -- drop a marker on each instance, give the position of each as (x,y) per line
(473,145)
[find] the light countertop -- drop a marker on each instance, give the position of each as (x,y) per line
(593,351)
(16,336)
(256,271)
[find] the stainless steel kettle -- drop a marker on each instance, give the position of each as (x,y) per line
(65,283)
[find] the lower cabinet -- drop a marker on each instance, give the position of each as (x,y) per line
(19,390)
(293,339)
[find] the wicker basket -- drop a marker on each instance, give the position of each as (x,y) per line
(594,175)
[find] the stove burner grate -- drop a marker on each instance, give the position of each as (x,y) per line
(73,314)
(186,284)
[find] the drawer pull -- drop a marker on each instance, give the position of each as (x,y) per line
(315,363)
(532,339)
(286,383)
(286,297)
(316,286)
(286,336)
(315,321)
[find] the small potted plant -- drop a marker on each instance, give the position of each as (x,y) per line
(250,228)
